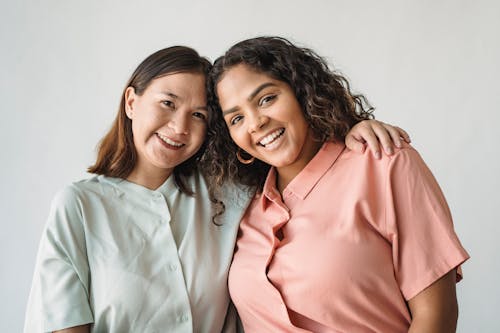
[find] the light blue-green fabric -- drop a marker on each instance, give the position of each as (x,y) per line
(129,259)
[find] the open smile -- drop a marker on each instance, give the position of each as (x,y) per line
(271,139)
(169,143)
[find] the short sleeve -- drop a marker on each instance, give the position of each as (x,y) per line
(419,223)
(59,295)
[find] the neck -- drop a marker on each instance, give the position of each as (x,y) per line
(284,177)
(151,179)
(287,173)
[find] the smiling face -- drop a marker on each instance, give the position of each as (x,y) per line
(266,120)
(169,122)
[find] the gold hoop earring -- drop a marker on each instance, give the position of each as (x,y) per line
(242,160)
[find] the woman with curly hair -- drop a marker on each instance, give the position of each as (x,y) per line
(333,241)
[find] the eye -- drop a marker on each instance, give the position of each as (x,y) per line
(235,120)
(200,115)
(168,104)
(266,100)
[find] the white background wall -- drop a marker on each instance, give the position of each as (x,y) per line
(429,66)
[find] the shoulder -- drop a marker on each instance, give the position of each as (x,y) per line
(230,193)
(407,160)
(404,166)
(75,191)
(75,197)
(405,153)
(236,196)
(68,196)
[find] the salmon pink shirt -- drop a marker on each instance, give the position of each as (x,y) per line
(349,242)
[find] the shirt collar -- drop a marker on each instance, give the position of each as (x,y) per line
(269,190)
(305,181)
(122,185)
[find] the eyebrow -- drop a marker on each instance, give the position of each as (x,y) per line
(250,97)
(169,94)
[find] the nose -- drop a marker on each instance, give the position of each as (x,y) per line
(179,123)
(257,122)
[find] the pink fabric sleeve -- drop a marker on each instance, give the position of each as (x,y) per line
(419,224)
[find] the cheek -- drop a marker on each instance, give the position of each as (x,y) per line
(237,138)
(140,129)
(301,124)
(136,129)
(199,133)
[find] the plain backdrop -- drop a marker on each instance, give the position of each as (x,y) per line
(429,66)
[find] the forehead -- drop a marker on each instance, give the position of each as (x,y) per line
(244,73)
(240,78)
(182,85)
(241,81)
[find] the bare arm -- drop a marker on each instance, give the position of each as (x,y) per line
(435,309)
(76,329)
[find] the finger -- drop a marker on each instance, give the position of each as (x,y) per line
(384,137)
(403,134)
(354,143)
(394,134)
(370,136)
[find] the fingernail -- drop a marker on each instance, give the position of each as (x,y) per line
(377,154)
(390,150)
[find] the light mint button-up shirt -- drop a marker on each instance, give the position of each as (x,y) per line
(129,259)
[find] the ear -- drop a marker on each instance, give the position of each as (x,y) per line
(130,97)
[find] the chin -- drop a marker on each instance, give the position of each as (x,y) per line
(281,164)
(286,161)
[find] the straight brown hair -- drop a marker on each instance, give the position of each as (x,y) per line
(117,156)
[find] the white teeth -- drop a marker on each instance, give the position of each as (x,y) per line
(170,142)
(271,137)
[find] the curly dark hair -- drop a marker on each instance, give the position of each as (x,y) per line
(329,106)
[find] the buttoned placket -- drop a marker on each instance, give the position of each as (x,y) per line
(278,215)
(172,266)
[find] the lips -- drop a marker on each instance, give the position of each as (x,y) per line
(270,138)
(169,141)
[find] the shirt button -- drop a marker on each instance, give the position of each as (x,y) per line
(158,196)
(184,318)
(172,267)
